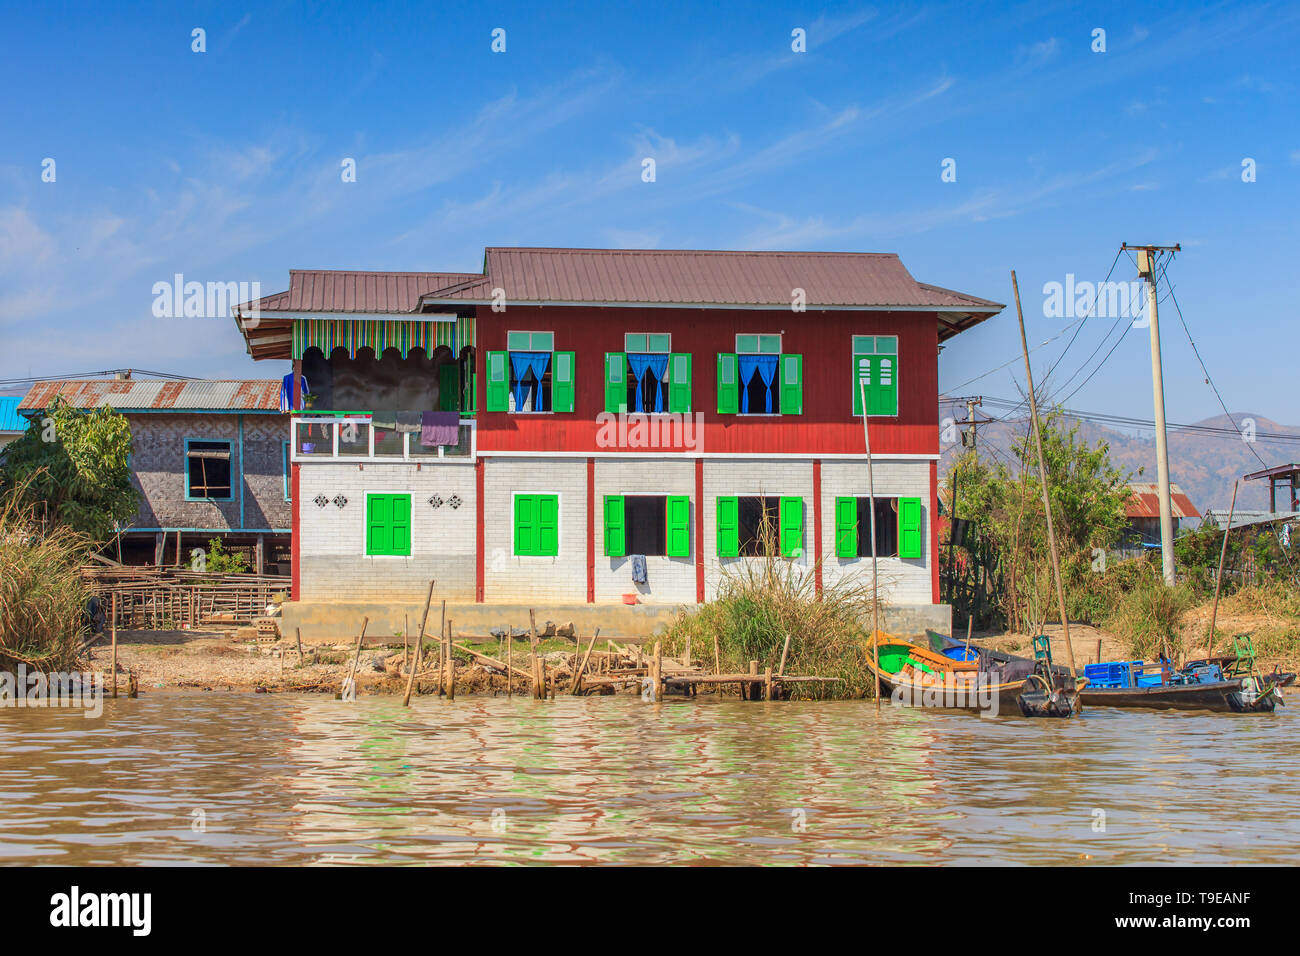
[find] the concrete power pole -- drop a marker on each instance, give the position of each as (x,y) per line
(1146,258)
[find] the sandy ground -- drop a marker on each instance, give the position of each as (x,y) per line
(229,660)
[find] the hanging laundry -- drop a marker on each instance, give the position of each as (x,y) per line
(409,421)
(286,392)
(639,570)
(439,428)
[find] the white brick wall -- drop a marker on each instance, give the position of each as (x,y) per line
(903,581)
(669,580)
(752,476)
(334,564)
(511,577)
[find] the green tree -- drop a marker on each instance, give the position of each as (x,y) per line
(72,467)
(1003,502)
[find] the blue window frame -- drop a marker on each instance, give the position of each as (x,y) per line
(208,470)
(284,459)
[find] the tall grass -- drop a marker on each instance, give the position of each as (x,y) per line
(1148,618)
(42,595)
(763,600)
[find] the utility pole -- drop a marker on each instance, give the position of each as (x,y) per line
(1146,259)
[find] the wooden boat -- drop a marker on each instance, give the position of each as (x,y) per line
(1239,695)
(915,676)
(1199,685)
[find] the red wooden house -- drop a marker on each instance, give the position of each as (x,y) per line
(572,426)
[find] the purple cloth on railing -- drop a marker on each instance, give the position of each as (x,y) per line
(439,428)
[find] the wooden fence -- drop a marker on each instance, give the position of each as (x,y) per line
(169,598)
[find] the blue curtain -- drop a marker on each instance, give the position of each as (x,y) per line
(654,363)
(765,366)
(521,363)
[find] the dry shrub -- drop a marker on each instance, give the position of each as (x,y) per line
(762,601)
(1149,616)
(42,595)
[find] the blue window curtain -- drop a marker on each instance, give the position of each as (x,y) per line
(765,366)
(656,364)
(520,364)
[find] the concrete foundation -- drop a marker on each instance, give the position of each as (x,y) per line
(336,621)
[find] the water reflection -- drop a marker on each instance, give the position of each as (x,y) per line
(226,778)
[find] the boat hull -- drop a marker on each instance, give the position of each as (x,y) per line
(1221,696)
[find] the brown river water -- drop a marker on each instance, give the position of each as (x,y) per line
(223,778)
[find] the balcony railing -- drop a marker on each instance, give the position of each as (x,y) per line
(357,438)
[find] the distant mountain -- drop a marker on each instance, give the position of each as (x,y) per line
(1202,464)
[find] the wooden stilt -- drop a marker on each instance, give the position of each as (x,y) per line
(410,678)
(113,633)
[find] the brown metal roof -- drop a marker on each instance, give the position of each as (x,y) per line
(621,277)
(262,395)
(706,278)
(1144,502)
(322,290)
(1274,472)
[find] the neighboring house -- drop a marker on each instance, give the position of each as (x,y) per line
(210,459)
(524,434)
(11,423)
(1143,512)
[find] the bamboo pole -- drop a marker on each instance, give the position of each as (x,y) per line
(510,652)
(410,677)
(406,628)
(784,651)
(352,674)
(1042,474)
(767,683)
(450,661)
(298,632)
(871,498)
(577,677)
(1218,577)
(113,632)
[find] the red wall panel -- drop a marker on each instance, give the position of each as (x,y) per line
(827,425)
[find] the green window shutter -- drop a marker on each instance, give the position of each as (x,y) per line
(909,527)
(525,524)
(728,384)
(679,382)
(791,384)
(862,369)
(498,382)
(677,513)
(401,525)
(548,524)
(615,528)
(887,385)
(388,525)
(378,510)
(792,527)
(562,382)
(728,526)
(616,382)
(846,527)
(448,387)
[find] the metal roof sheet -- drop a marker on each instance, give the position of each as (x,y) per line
(1144,502)
(151,394)
(324,290)
(10,420)
(706,277)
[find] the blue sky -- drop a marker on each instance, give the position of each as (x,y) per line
(225,165)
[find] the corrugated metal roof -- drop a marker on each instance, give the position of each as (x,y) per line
(323,290)
(706,277)
(151,394)
(1144,502)
(10,420)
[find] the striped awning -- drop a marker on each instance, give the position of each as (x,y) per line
(401,334)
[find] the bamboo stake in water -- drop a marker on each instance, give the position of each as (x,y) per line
(113,627)
(1218,577)
(410,677)
(871,498)
(1042,474)
(352,674)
